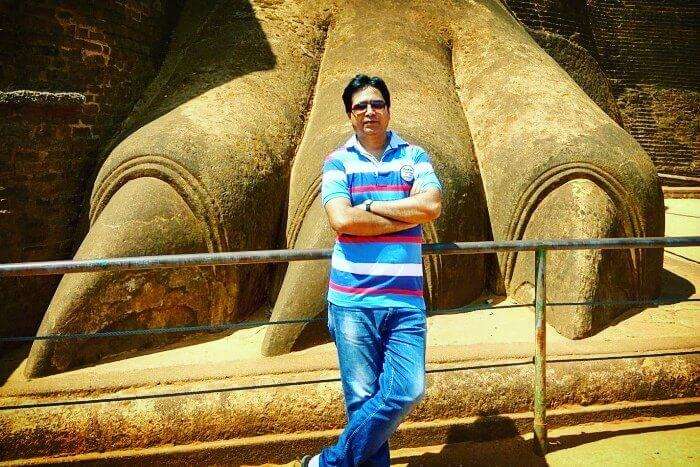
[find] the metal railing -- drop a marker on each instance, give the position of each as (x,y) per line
(540,247)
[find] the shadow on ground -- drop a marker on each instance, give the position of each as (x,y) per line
(675,286)
(11,358)
(515,450)
(503,446)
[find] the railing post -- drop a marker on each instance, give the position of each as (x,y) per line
(540,396)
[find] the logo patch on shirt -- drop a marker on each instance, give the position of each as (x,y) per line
(407,173)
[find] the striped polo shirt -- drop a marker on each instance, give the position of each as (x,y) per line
(382,271)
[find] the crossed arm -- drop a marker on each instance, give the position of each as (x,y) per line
(386,216)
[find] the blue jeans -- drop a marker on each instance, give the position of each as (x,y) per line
(382,368)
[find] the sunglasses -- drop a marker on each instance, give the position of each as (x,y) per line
(361,107)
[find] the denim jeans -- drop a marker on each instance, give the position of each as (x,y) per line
(382,368)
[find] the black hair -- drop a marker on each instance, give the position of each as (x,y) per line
(360,82)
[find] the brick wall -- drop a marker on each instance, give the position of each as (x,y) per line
(665,121)
(561,28)
(648,41)
(107,51)
(648,50)
(566,18)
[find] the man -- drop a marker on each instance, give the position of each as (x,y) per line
(377,189)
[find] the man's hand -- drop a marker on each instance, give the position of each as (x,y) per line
(345,219)
(418,208)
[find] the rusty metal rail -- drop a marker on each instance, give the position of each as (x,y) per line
(198,392)
(540,247)
(213,328)
(282,256)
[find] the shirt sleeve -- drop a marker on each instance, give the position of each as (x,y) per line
(424,173)
(334,183)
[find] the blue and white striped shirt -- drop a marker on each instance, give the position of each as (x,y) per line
(379,271)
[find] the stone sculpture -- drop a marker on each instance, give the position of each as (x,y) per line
(245,109)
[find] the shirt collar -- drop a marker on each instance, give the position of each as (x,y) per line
(395,142)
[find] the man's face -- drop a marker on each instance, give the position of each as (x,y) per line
(366,120)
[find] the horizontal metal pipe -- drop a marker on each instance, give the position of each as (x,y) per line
(658,301)
(501,364)
(251,324)
(560,244)
(172,330)
(280,256)
(225,326)
(618,356)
